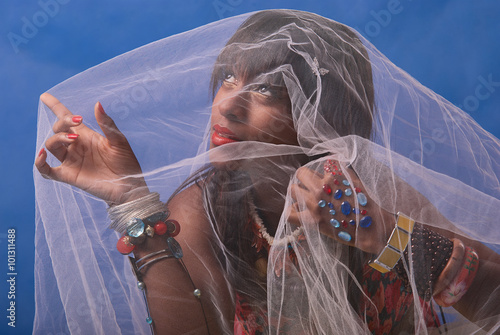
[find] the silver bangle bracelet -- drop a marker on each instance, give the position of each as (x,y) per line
(122,216)
(154,260)
(174,251)
(151,255)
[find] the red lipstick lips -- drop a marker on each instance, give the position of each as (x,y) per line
(222,135)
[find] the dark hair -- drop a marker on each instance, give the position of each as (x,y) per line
(346,103)
(285,37)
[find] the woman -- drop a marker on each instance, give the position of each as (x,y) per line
(261,254)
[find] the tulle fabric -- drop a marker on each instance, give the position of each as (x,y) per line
(160,97)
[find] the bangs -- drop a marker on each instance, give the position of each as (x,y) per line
(273,45)
(251,60)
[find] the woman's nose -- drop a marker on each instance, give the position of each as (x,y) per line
(233,105)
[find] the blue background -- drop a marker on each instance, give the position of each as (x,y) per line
(450,46)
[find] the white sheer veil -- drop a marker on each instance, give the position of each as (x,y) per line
(160,97)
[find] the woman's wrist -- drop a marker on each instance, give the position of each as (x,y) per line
(452,268)
(132,193)
(140,222)
(124,215)
(396,245)
(427,256)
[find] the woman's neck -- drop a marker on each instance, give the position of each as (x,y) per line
(270,204)
(270,178)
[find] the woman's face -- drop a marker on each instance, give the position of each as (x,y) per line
(251,110)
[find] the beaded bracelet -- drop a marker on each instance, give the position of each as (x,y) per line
(462,282)
(138,230)
(174,251)
(396,245)
(122,216)
(142,218)
(452,268)
(430,253)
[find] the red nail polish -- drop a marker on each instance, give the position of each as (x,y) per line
(99,106)
(42,150)
(77,119)
(72,136)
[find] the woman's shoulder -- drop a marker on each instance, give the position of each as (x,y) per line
(186,207)
(187,197)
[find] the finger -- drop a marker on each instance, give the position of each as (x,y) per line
(58,144)
(306,202)
(66,123)
(316,184)
(297,218)
(48,172)
(293,217)
(41,164)
(108,126)
(297,193)
(55,105)
(302,199)
(308,178)
(305,173)
(338,172)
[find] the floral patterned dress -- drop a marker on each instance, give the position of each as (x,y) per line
(388,305)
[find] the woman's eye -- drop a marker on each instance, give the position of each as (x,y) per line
(229,78)
(264,89)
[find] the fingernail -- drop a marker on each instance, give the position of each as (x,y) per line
(42,150)
(77,119)
(99,106)
(72,136)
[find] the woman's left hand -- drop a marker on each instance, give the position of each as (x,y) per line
(343,217)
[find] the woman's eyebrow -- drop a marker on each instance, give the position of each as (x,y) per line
(274,78)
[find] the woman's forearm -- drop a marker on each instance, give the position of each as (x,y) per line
(170,283)
(173,306)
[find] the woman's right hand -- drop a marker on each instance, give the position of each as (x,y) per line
(104,166)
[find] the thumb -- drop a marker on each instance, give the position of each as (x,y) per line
(108,126)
